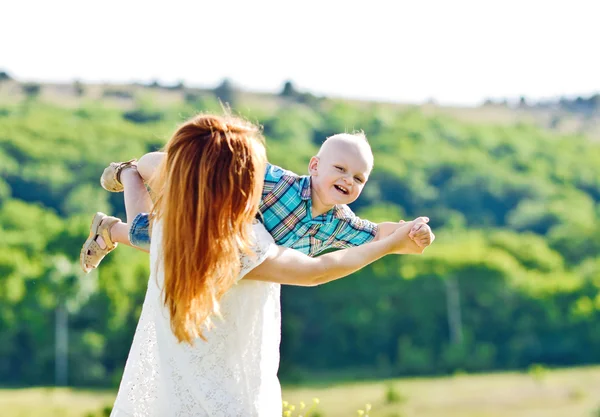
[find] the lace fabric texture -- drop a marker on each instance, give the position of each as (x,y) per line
(234,373)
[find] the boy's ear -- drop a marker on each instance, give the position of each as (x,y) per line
(313,165)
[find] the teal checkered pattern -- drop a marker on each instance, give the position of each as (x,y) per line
(285,210)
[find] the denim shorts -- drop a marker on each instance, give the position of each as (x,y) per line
(139,231)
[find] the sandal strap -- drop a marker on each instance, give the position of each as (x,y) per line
(94,254)
(121,166)
(104,231)
(91,252)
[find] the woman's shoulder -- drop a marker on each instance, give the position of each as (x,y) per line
(262,241)
(262,245)
(260,233)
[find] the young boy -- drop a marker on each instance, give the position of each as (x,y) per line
(307,213)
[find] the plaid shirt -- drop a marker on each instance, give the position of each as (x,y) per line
(285,211)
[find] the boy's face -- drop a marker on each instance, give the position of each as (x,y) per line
(340,172)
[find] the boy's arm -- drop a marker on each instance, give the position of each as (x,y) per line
(384,229)
(148,163)
(422,236)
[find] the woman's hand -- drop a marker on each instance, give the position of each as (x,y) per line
(288,266)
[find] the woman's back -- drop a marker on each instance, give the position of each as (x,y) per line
(233,373)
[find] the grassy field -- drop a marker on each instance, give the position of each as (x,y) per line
(560,393)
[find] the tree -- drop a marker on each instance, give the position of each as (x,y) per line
(522,102)
(226,93)
(595,101)
(71,293)
(4,76)
(455,326)
(142,116)
(179,85)
(154,84)
(31,90)
(78,88)
(288,90)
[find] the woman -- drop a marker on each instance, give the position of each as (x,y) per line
(207,343)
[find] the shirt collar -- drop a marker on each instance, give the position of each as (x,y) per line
(305,187)
(342,212)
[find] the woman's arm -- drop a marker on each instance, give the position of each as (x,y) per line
(288,266)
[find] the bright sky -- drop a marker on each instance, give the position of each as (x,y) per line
(454,51)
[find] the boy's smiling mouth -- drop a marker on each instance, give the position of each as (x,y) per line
(341,189)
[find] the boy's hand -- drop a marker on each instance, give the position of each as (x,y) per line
(421,232)
(402,243)
(418,233)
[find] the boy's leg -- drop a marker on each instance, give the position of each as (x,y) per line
(149,163)
(119,233)
(136,196)
(137,200)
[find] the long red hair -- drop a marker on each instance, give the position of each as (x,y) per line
(208,189)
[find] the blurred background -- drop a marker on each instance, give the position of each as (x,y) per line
(484,116)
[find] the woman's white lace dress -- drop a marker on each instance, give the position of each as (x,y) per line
(233,374)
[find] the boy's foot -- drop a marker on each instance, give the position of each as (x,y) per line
(111,177)
(99,243)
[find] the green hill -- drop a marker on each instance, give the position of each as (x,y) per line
(512,279)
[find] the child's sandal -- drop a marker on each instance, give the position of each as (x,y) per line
(92,253)
(111,177)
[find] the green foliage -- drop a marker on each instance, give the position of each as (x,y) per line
(201,102)
(5,76)
(393,395)
(288,90)
(78,88)
(226,93)
(142,116)
(85,199)
(118,93)
(514,209)
(103,412)
(31,90)
(538,372)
